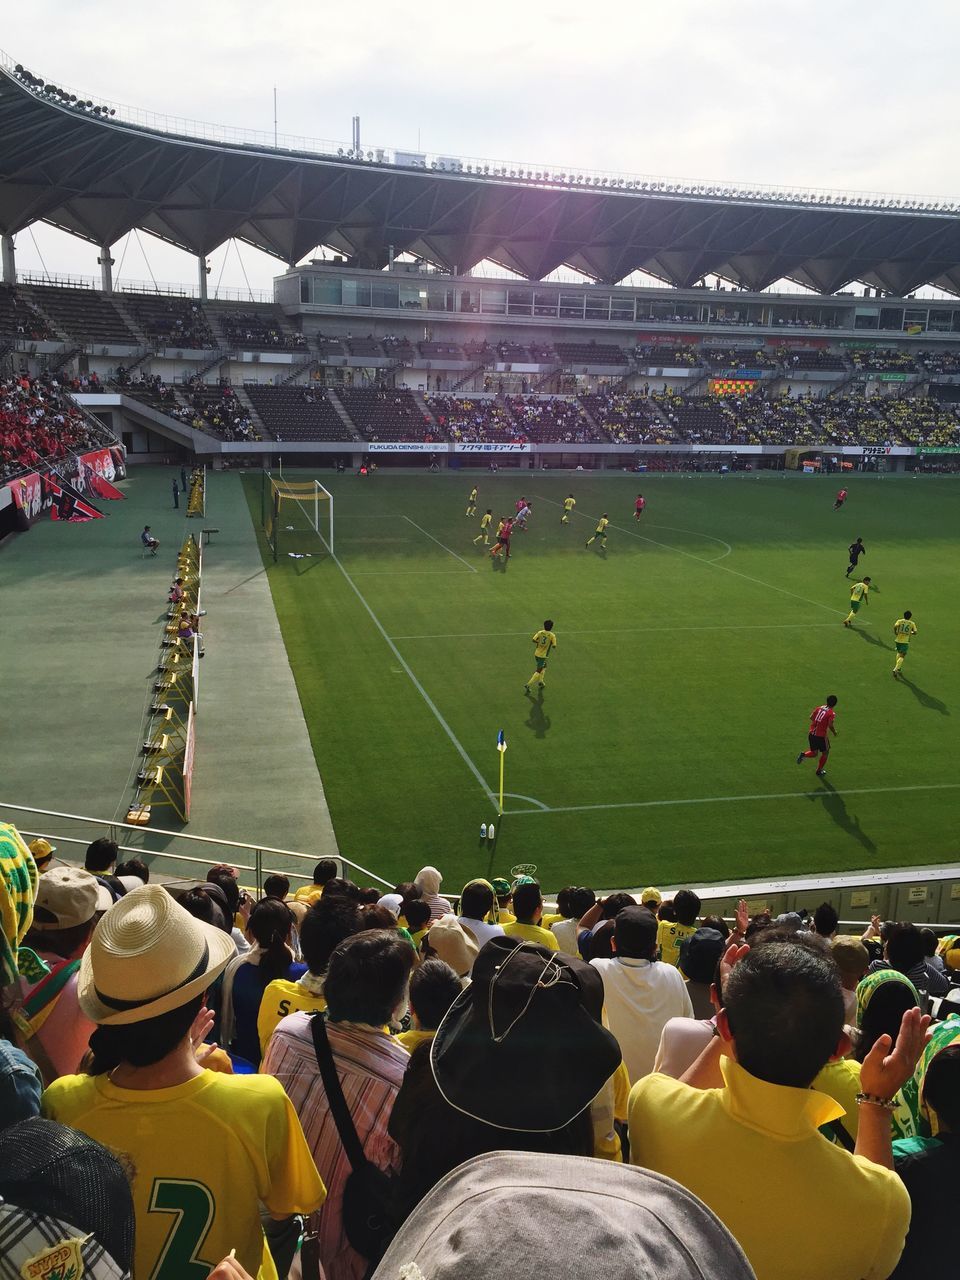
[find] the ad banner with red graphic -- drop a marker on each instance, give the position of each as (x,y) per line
(63,490)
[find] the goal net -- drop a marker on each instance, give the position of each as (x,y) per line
(297,516)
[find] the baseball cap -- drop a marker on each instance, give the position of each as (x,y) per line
(501,887)
(66,1203)
(650,894)
(523,1047)
(66,897)
(42,851)
(630,1223)
(700,953)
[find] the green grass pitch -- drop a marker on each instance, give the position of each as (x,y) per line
(690,655)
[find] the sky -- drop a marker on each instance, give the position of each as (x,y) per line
(842,94)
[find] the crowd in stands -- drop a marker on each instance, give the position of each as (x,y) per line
(881,360)
(261,331)
(939,361)
(19,320)
(736,358)
(177,322)
(371,1067)
(39,424)
(551,419)
(810,361)
(218,411)
(681,356)
(630,418)
(386,413)
(474,421)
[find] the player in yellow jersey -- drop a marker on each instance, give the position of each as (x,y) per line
(904,629)
(544,641)
(569,503)
(600,532)
(485,521)
(859,594)
(472,502)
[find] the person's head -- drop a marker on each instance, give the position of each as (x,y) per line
(906,613)
(614,903)
(548,625)
(941,1088)
(783,1012)
(700,955)
(575,901)
(528,903)
(428,880)
(717,923)
(635,934)
(276,886)
(367,977)
(324,927)
(433,988)
(859,539)
(42,851)
(101,856)
(68,904)
(757,924)
(368,896)
(144,977)
(651,897)
(905,948)
(201,905)
(146,528)
(851,958)
(226,879)
(134,867)
(269,926)
(324,871)
(476,901)
(687,906)
(930,942)
(407,891)
(832,699)
(825,920)
(373,916)
(417,915)
(883,997)
(667,911)
(504,891)
(448,940)
(338,887)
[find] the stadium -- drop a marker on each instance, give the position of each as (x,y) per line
(282,572)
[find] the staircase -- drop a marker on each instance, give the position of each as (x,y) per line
(252,414)
(54,363)
(602,433)
(148,354)
(468,377)
(342,414)
(131,321)
(420,401)
(218,358)
(307,367)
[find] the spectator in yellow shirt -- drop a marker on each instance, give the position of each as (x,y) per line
(671,933)
(528,905)
(433,988)
(326,869)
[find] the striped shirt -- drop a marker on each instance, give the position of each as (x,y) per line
(821,719)
(371,1066)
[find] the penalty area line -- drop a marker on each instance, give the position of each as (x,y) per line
(471,567)
(824,794)
(628,631)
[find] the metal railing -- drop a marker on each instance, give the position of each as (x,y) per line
(260,864)
(538,174)
(161,288)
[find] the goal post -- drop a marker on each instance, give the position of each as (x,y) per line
(294,514)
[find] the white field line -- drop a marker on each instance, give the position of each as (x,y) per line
(471,567)
(696,533)
(777,795)
(770,586)
(416,683)
(626,631)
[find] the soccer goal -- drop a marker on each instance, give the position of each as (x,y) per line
(295,514)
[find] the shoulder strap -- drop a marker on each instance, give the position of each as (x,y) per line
(338,1103)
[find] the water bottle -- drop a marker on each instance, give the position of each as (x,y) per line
(483,831)
(491,831)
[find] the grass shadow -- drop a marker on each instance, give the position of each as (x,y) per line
(873,639)
(835,808)
(537,721)
(925,699)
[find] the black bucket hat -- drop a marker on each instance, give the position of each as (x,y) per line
(523,1047)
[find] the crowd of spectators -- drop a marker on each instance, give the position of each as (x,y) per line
(261,331)
(681,356)
(551,419)
(881,360)
(39,424)
(939,361)
(333,1056)
(738,358)
(19,320)
(177,322)
(469,420)
(218,411)
(630,418)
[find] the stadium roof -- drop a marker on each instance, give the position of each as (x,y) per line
(99,176)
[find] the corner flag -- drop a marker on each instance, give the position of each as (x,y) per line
(502,748)
(501,741)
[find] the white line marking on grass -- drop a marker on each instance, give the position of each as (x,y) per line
(472,568)
(416,683)
(515,795)
(770,586)
(696,533)
(823,794)
(408,573)
(626,631)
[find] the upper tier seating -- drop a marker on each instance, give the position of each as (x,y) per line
(440,350)
(368,346)
(827,361)
(737,358)
(174,322)
(552,420)
(387,414)
(19,320)
(298,413)
(882,360)
(682,356)
(939,361)
(84,315)
(470,420)
(264,328)
(629,418)
(589,353)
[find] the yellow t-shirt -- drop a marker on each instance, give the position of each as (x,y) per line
(410,1039)
(473,496)
(602,524)
(545,641)
(309,893)
(859,590)
(500,527)
(777,1172)
(281,997)
(485,520)
(531,933)
(903,629)
(840,1081)
(569,504)
(548,919)
(669,936)
(204,1153)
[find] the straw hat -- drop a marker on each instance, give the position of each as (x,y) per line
(148,956)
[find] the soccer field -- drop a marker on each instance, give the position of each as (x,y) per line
(690,655)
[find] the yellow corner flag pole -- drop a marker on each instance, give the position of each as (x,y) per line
(502,748)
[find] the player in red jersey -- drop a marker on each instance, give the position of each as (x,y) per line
(520,504)
(840,499)
(821,723)
(640,503)
(503,541)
